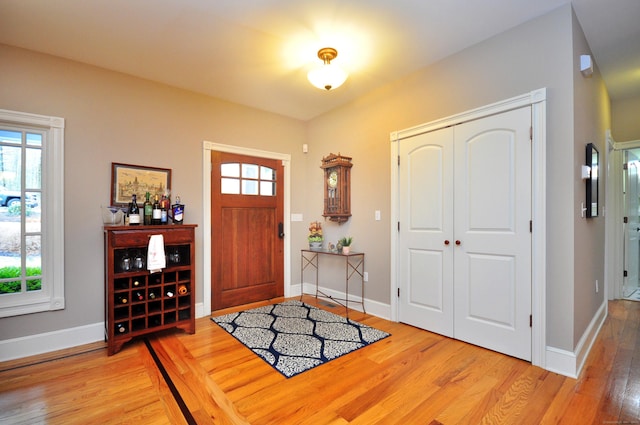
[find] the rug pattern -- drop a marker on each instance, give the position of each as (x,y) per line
(294,337)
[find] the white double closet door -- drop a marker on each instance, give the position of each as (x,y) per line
(464,259)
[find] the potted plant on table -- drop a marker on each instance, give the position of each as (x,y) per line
(315,235)
(345,242)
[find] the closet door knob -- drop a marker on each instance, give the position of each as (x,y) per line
(458,242)
(446,242)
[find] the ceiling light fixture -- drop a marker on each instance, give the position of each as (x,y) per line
(327,77)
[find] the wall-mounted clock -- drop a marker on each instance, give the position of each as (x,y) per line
(337,187)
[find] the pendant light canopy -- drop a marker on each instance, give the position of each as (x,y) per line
(327,76)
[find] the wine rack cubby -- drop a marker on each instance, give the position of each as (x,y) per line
(138,302)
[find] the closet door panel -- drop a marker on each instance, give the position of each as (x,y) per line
(492,277)
(426,223)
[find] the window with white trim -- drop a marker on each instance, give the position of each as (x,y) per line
(31,213)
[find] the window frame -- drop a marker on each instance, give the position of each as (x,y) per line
(51,296)
(242,178)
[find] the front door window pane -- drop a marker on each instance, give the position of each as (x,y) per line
(230,170)
(267,173)
(267,188)
(230,186)
(249,187)
(249,171)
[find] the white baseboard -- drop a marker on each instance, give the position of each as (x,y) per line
(571,363)
(375,308)
(200,310)
(560,361)
(32,345)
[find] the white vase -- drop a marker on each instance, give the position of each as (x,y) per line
(346,249)
(315,245)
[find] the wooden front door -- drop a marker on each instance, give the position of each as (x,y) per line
(247,245)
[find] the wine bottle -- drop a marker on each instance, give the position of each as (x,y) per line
(148,209)
(121,328)
(164,210)
(122,299)
(136,283)
(134,212)
(152,295)
(139,296)
(156,213)
(177,212)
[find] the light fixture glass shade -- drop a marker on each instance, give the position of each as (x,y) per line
(327,76)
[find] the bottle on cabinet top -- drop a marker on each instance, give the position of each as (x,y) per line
(134,211)
(147,208)
(156,212)
(177,214)
(164,210)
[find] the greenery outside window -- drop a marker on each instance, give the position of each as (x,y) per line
(31,213)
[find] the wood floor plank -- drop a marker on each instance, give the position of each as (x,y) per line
(202,395)
(411,377)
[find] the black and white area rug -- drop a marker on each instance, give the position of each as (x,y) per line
(294,337)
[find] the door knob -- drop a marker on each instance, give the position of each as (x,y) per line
(280,230)
(446,242)
(458,242)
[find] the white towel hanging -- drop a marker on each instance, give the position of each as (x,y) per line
(156,260)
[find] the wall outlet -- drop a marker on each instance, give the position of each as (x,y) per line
(597,286)
(366,276)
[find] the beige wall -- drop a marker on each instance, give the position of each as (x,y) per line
(534,55)
(625,116)
(112,117)
(592,117)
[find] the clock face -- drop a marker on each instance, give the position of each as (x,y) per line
(333,179)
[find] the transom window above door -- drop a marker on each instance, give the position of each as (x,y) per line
(247,179)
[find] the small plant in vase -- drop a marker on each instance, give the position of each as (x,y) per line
(345,242)
(315,235)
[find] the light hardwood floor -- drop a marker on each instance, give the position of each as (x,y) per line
(412,377)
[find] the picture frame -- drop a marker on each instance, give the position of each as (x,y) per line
(592,201)
(127,179)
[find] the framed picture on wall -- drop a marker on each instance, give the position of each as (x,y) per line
(127,179)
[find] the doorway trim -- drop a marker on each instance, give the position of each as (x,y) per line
(614,263)
(207,147)
(537,99)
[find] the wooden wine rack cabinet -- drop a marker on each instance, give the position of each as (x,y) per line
(138,302)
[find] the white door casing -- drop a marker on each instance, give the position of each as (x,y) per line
(207,147)
(632,226)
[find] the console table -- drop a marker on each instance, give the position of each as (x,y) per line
(354,268)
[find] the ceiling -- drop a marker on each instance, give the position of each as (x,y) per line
(257,52)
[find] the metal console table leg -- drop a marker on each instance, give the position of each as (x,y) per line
(354,268)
